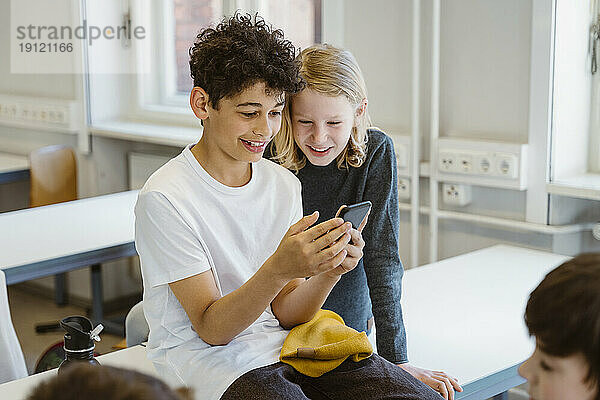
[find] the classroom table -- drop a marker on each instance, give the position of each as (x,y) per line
(48,240)
(13,168)
(463,315)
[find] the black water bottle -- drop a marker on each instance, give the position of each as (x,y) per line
(79,341)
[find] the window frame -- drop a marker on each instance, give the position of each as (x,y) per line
(168,90)
(150,103)
(594,153)
(575,72)
(594,120)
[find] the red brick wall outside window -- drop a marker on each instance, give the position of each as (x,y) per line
(299,19)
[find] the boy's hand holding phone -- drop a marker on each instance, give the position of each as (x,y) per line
(305,251)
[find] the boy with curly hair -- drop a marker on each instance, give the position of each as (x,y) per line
(563,313)
(228,261)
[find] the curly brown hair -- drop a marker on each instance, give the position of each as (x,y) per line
(240,52)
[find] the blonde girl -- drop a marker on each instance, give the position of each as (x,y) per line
(326,138)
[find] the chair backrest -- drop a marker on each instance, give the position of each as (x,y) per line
(53,175)
(12,362)
(136,326)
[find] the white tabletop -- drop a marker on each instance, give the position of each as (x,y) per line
(50,232)
(464,315)
(12,162)
(131,358)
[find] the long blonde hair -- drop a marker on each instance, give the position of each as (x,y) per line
(332,72)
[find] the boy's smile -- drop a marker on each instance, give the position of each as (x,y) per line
(254,146)
(237,132)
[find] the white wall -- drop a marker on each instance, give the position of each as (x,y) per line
(485,80)
(56,86)
(378,34)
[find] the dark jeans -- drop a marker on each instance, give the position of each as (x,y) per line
(370,379)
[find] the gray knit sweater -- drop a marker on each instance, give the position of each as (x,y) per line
(374,287)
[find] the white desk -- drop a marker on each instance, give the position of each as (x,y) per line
(464,315)
(48,240)
(13,168)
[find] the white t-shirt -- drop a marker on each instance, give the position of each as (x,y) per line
(188,223)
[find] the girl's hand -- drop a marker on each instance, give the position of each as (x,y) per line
(305,252)
(439,381)
(364,221)
(354,251)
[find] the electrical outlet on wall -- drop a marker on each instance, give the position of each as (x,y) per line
(447,161)
(39,113)
(403,189)
(484,165)
(456,194)
(507,165)
(465,163)
(481,162)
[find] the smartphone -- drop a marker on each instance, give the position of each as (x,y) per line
(355,213)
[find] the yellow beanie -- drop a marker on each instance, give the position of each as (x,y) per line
(322,344)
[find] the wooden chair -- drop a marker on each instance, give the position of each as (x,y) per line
(53,177)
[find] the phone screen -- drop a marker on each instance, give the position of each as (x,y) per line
(355,213)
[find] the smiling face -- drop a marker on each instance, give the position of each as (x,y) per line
(244,124)
(321,125)
(557,378)
(238,132)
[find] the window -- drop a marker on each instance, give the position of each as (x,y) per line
(187,17)
(162,84)
(576,97)
(299,19)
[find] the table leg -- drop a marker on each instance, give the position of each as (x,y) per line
(97,295)
(60,289)
(97,306)
(60,299)
(501,396)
